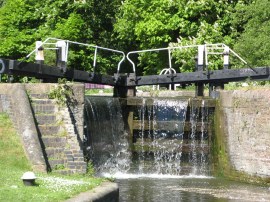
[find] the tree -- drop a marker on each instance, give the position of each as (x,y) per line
(156,23)
(252,24)
(22,22)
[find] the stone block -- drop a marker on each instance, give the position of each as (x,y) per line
(68,152)
(78,159)
(39,96)
(44,108)
(70,158)
(71,166)
(54,141)
(78,155)
(51,151)
(47,130)
(45,119)
(55,162)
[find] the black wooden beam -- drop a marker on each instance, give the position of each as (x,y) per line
(44,71)
(14,67)
(216,76)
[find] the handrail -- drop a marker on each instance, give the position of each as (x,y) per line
(217,46)
(154,50)
(206,46)
(83,44)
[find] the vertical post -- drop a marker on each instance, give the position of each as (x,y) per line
(39,53)
(124,91)
(170,66)
(2,69)
(10,78)
(226,57)
(199,60)
(213,90)
(61,55)
(95,61)
(130,124)
(126,87)
(170,58)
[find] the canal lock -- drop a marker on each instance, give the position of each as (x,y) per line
(170,136)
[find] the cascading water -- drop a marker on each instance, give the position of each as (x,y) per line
(160,147)
(161,142)
(105,135)
(169,136)
(204,143)
(168,156)
(198,138)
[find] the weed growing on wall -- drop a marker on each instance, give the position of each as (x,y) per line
(61,93)
(90,169)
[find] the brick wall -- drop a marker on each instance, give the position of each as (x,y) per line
(246,119)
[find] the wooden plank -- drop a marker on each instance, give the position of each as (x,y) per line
(167,125)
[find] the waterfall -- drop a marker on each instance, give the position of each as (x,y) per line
(165,136)
(198,137)
(105,135)
(161,148)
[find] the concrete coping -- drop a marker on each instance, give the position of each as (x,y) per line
(106,192)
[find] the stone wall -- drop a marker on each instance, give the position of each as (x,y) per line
(4,103)
(15,102)
(246,126)
(76,108)
(18,101)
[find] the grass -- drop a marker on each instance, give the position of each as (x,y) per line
(48,187)
(98,91)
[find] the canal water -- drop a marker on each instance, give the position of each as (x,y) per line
(159,150)
(187,188)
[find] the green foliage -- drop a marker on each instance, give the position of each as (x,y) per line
(132,25)
(18,24)
(61,93)
(91,21)
(254,40)
(90,169)
(59,167)
(148,25)
(27,79)
(98,91)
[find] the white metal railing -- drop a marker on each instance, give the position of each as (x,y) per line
(155,50)
(57,43)
(164,71)
(220,49)
(203,52)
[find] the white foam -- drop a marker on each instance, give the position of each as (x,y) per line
(120,175)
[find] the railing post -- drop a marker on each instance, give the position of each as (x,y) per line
(61,56)
(39,53)
(226,57)
(201,57)
(199,61)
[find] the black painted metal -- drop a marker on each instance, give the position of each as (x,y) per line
(13,67)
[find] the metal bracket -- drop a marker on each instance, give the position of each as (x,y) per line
(3,66)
